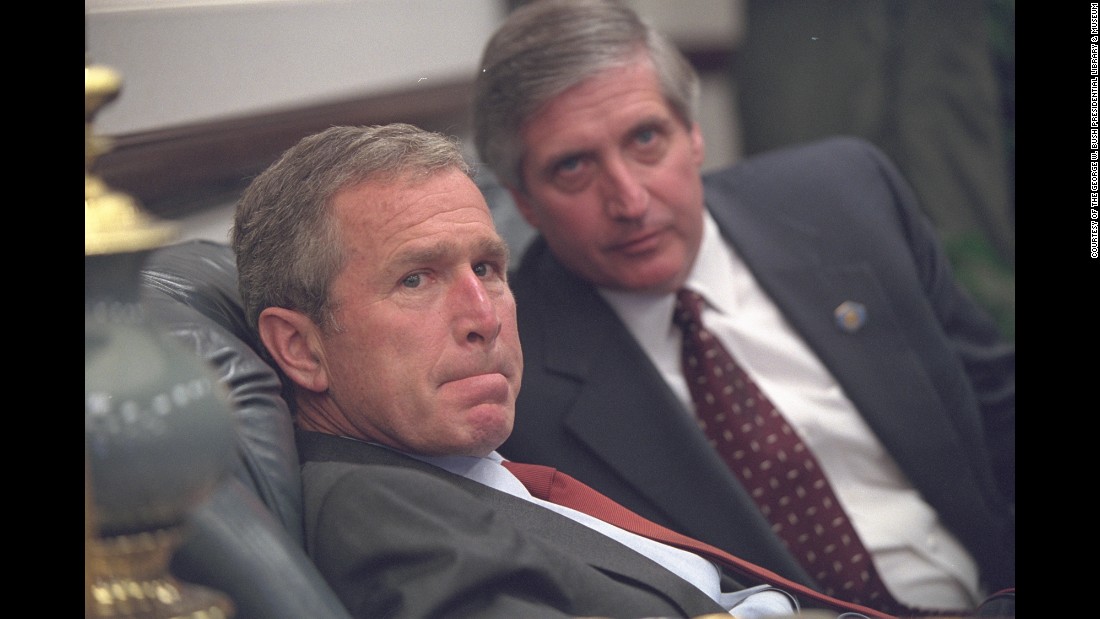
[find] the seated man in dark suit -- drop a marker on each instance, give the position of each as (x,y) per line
(879,397)
(369,265)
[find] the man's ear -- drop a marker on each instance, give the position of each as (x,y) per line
(295,344)
(524,206)
(698,145)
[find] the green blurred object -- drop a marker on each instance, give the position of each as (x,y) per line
(931,83)
(989,279)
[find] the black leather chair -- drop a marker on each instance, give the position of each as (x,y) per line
(247,539)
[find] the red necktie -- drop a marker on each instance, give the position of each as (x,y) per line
(550,484)
(775,466)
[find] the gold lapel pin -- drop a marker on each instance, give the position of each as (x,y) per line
(850,316)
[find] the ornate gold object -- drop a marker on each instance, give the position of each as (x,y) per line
(158,433)
(113,222)
(132,581)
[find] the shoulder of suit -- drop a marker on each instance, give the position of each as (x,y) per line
(839,148)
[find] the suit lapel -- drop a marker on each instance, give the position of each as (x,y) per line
(643,433)
(599,551)
(900,403)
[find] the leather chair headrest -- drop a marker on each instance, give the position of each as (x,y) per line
(190,291)
(247,539)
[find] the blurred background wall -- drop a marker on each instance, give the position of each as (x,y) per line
(214,90)
(189,62)
(190,67)
(931,82)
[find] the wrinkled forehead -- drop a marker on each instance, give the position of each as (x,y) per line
(380,217)
(389,203)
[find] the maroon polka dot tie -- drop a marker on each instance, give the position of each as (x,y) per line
(774,465)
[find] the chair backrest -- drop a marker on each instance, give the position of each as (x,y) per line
(246,541)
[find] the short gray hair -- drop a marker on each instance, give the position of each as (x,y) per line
(287,246)
(546,47)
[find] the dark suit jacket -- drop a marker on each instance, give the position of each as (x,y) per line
(396,537)
(818,225)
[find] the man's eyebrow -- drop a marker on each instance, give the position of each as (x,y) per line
(553,161)
(653,121)
(495,248)
(492,247)
(418,256)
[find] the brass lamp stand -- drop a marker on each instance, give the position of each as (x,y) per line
(158,430)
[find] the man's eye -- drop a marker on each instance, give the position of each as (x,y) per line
(571,174)
(412,281)
(568,165)
(645,136)
(481,269)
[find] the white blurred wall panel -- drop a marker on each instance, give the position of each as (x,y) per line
(193,61)
(188,62)
(696,23)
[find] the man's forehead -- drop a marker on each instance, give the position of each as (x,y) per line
(486,244)
(431,223)
(409,199)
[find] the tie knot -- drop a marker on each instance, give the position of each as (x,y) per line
(689,308)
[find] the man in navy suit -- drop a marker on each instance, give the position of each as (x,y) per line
(818,271)
(370,268)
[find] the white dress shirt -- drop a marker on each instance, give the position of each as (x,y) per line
(921,562)
(751,603)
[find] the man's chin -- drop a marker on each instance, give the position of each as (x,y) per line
(659,272)
(490,426)
(649,281)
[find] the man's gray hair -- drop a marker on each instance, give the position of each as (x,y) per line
(546,47)
(286,242)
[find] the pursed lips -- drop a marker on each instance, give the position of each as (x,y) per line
(498,369)
(638,244)
(485,388)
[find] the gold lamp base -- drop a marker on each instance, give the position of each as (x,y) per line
(130,578)
(127,574)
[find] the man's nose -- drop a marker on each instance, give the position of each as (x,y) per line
(478,320)
(625,197)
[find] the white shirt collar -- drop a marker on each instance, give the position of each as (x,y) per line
(649,316)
